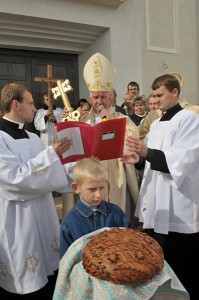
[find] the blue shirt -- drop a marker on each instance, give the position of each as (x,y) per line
(82,219)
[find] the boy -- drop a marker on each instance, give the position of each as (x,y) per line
(90,212)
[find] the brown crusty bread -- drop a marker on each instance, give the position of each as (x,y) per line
(123,255)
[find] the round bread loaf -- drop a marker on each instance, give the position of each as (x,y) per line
(123,255)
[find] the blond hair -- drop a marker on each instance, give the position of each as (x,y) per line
(89,168)
(128,96)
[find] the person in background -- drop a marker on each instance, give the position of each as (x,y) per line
(84,108)
(29,227)
(45,120)
(81,101)
(91,212)
(140,112)
(155,114)
(113,96)
(140,109)
(152,103)
(122,188)
(147,121)
(128,104)
(168,204)
(133,89)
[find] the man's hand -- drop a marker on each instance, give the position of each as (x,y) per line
(62,145)
(132,158)
(134,145)
(65,113)
(104,114)
(49,113)
(52,118)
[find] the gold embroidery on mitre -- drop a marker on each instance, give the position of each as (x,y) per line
(31,263)
(40,169)
(99,73)
(55,245)
(3,271)
(99,85)
(97,67)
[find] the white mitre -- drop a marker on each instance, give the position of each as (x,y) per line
(99,73)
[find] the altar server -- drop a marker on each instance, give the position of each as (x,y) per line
(45,120)
(168,204)
(29,225)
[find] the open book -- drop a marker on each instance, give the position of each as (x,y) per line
(104,140)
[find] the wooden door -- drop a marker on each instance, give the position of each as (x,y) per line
(23,66)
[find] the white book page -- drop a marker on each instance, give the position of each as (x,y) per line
(75,135)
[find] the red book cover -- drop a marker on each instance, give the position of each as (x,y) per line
(104,140)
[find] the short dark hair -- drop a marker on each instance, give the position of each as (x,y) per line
(133,83)
(81,101)
(167,80)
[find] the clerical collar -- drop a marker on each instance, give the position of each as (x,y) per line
(141,116)
(168,115)
(20,125)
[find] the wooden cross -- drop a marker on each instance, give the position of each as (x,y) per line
(49,80)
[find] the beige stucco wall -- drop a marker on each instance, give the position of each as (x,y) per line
(125,41)
(121,44)
(185,60)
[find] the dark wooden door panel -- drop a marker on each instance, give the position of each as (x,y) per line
(14,69)
(62,69)
(23,66)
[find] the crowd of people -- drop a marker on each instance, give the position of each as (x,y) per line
(161,146)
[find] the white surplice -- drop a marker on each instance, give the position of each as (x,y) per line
(29,225)
(47,129)
(170,202)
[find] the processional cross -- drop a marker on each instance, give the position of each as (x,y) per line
(49,80)
(61,90)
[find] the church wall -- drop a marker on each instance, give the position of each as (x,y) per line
(138,54)
(172,44)
(121,44)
